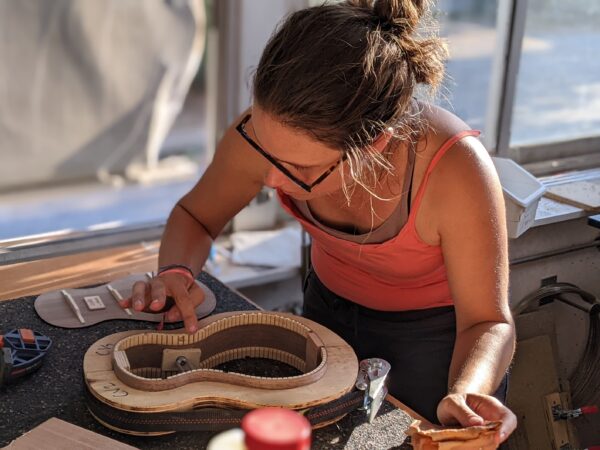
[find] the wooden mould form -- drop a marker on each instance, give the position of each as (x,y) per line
(126,370)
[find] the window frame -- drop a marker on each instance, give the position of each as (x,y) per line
(59,243)
(512,15)
(228,95)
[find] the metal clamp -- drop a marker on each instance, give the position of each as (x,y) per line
(372,377)
(567,414)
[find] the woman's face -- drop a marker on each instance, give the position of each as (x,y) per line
(301,154)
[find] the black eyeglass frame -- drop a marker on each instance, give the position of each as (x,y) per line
(241,128)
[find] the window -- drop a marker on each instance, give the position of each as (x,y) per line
(525,72)
(470,27)
(558,86)
(91,134)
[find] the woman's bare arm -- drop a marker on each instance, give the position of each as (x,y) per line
(230,182)
(467,198)
(472,231)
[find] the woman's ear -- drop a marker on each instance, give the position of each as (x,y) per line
(383,140)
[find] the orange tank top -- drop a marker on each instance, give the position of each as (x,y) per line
(403,273)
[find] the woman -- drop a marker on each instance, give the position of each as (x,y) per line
(405,209)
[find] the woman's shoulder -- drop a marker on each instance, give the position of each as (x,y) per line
(457,160)
(440,126)
(465,168)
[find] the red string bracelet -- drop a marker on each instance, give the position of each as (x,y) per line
(180,271)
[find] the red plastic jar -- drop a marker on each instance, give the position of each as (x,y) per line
(276,429)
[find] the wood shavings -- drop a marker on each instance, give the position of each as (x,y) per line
(432,437)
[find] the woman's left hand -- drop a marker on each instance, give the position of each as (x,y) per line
(476,409)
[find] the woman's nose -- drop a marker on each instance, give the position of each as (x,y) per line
(275,178)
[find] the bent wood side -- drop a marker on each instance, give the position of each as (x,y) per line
(137,361)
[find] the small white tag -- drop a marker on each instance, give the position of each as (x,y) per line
(94,302)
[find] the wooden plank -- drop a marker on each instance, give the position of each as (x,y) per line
(558,429)
(533,376)
(410,412)
(56,434)
(584,194)
(72,271)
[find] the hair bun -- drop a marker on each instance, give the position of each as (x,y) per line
(425,53)
(403,15)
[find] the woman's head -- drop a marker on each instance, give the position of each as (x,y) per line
(344,73)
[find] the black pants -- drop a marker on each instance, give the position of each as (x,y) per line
(418,344)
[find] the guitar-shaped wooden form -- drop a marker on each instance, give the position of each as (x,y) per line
(142,382)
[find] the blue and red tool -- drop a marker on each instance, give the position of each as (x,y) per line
(21,352)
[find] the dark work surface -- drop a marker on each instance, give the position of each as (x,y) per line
(56,389)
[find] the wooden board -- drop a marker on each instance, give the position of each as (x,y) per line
(75,308)
(72,271)
(56,434)
(337,380)
(583,194)
(533,376)
(558,429)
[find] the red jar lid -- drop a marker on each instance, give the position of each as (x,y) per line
(276,429)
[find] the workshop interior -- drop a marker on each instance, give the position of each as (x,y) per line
(110,112)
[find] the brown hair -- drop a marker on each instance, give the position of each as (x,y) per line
(346,71)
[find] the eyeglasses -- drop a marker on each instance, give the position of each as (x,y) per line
(241,128)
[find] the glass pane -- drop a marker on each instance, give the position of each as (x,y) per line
(470,28)
(99,125)
(86,207)
(558,86)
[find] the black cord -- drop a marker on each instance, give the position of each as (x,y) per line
(585,379)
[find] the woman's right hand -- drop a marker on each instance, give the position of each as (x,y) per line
(152,297)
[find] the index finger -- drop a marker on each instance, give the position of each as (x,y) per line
(197,296)
(186,308)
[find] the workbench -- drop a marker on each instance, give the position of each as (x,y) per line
(57,388)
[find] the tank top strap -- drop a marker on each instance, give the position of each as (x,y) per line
(447,145)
